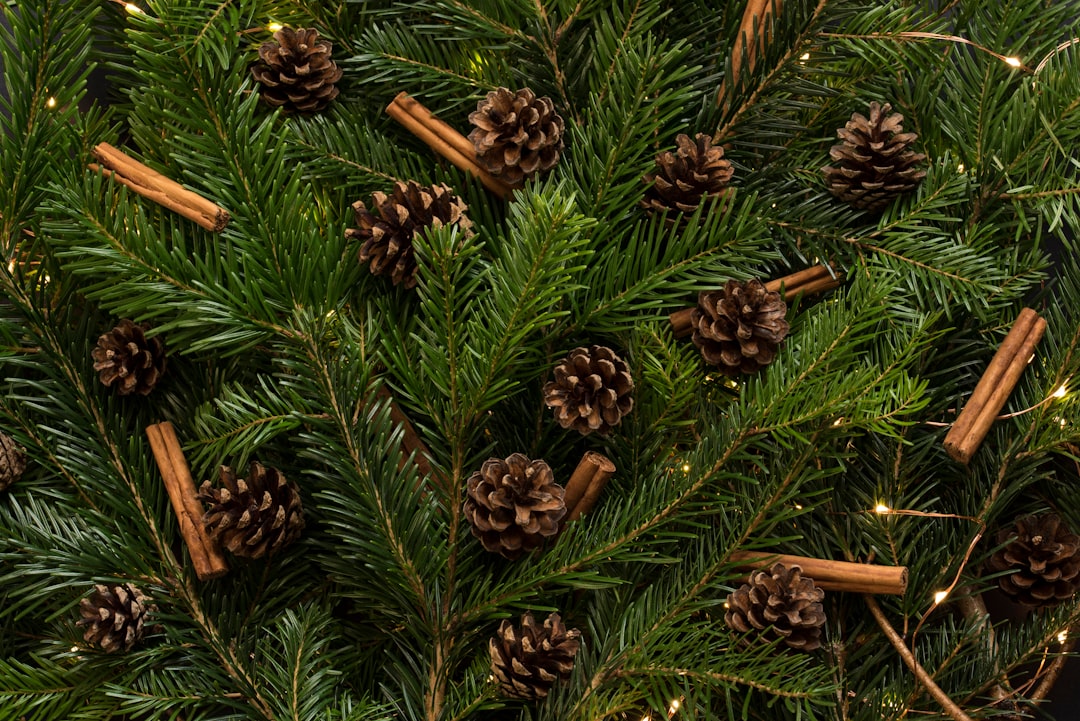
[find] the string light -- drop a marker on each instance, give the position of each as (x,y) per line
(1060,392)
(686,468)
(1014,62)
(274,27)
(882,509)
(940,596)
(1062,636)
(838,422)
(133,9)
(74,649)
(673,707)
(960,168)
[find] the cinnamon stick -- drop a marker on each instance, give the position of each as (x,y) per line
(833,575)
(815,279)
(162,190)
(206,557)
(757,17)
(585,484)
(996,385)
(444,140)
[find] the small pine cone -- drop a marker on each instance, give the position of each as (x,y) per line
(254,516)
(296,72)
(780,603)
(114,616)
(740,327)
(127,358)
(514,504)
(388,236)
(529,661)
(12,461)
(517,134)
(591,390)
(695,172)
(874,162)
(1044,561)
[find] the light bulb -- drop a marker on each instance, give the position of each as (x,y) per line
(274,27)
(1015,62)
(50,103)
(882,509)
(1060,392)
(133,8)
(940,596)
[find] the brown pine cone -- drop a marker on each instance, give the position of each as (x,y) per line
(740,327)
(517,134)
(388,236)
(114,616)
(254,516)
(12,461)
(1043,560)
(695,172)
(296,73)
(591,390)
(874,162)
(781,604)
(529,661)
(514,504)
(127,358)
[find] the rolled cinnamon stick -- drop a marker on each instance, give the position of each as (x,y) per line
(585,484)
(206,557)
(151,184)
(815,279)
(444,140)
(757,16)
(994,388)
(833,575)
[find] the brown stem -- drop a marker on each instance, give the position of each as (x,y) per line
(950,707)
(974,610)
(1052,673)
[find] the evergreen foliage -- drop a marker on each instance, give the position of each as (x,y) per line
(281,345)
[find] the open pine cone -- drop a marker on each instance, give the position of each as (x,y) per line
(529,661)
(12,461)
(114,616)
(254,516)
(780,603)
(517,134)
(514,504)
(696,171)
(1044,560)
(129,361)
(387,231)
(295,71)
(591,390)
(740,327)
(875,162)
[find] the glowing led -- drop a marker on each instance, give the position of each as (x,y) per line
(673,706)
(960,168)
(838,422)
(50,103)
(727,605)
(804,56)
(1061,422)
(940,596)
(1015,62)
(881,508)
(686,468)
(274,27)
(1062,636)
(1060,392)
(798,507)
(76,648)
(133,8)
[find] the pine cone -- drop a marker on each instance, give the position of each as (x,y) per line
(780,603)
(410,209)
(126,357)
(514,504)
(114,616)
(296,72)
(1044,561)
(527,663)
(695,172)
(740,327)
(12,461)
(591,390)
(875,163)
(517,134)
(254,516)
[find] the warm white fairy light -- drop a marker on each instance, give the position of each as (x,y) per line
(1060,392)
(881,509)
(838,422)
(1062,422)
(686,468)
(133,9)
(804,56)
(940,596)
(274,27)
(798,507)
(51,102)
(960,168)
(74,649)
(1062,636)
(673,706)
(1014,62)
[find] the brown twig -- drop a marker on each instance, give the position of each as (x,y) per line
(950,707)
